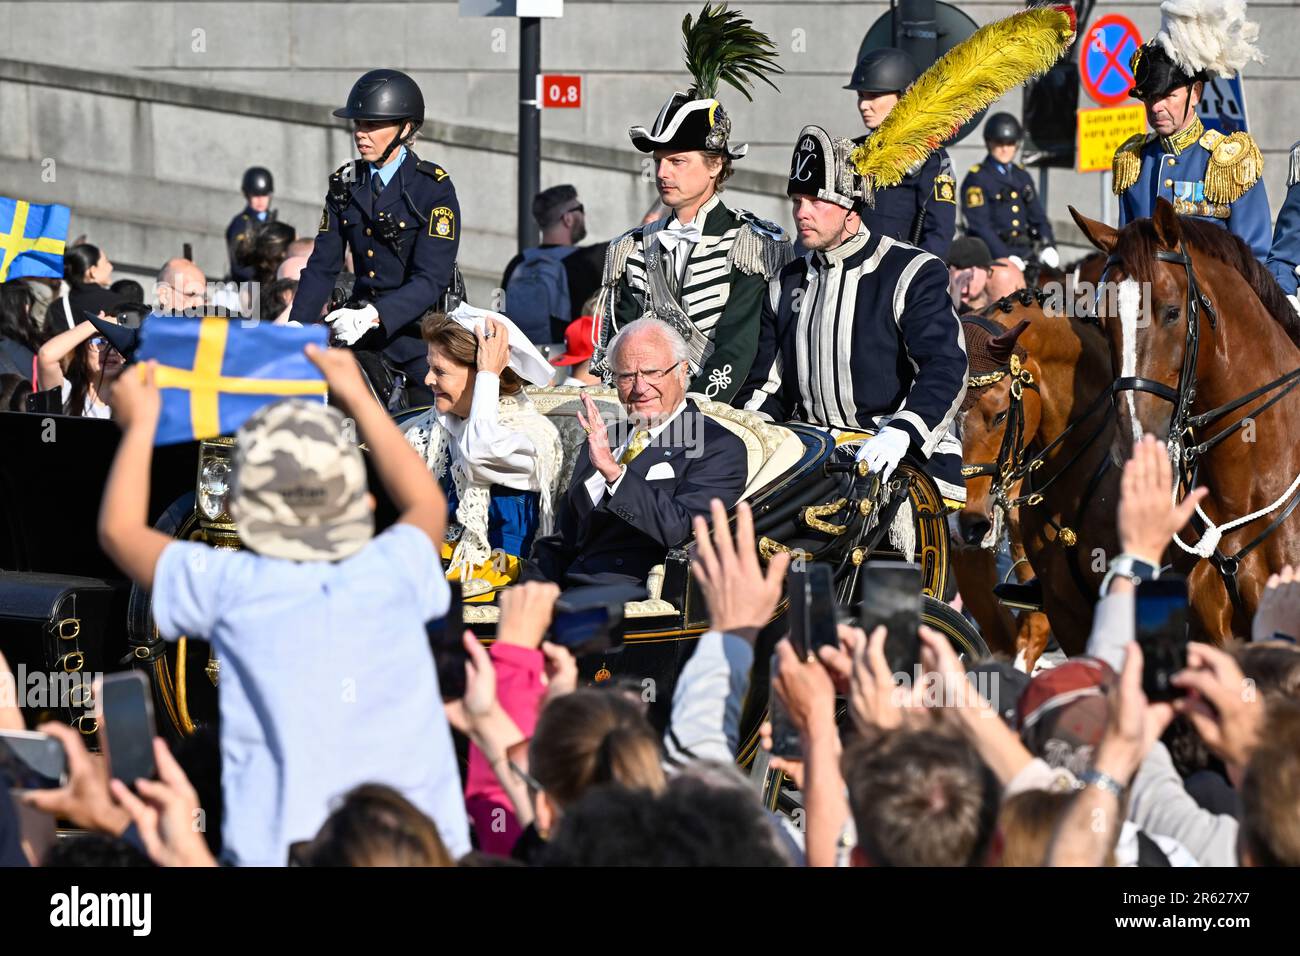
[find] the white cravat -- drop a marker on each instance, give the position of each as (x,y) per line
(677,238)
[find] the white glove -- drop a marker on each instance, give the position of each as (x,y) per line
(884,450)
(1017,262)
(348,325)
(1050,257)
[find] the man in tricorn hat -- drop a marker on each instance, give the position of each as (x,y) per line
(704,267)
(859,334)
(922,209)
(1203,173)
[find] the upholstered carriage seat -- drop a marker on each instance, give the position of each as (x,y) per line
(771,450)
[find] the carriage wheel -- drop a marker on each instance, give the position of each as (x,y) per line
(182,701)
(961,633)
(932,537)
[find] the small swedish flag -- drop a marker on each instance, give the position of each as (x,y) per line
(215,372)
(32,239)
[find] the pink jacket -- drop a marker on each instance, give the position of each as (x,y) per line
(520,690)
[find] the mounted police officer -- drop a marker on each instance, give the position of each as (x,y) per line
(1203,173)
(257,188)
(999,201)
(922,209)
(399,216)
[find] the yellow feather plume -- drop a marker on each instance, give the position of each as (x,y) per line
(994,59)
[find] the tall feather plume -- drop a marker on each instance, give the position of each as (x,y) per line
(1210,35)
(723,46)
(994,59)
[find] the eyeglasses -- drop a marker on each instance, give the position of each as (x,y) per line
(99,343)
(652,376)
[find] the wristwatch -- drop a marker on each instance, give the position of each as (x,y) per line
(1102,781)
(1128,566)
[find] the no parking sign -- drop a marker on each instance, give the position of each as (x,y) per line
(1103,60)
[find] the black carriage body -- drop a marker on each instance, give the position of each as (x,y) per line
(54,468)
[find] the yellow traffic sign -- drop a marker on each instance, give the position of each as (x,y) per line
(1102,131)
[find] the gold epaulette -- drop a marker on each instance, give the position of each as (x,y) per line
(1235,165)
(1127,164)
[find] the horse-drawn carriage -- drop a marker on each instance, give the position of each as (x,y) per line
(808,497)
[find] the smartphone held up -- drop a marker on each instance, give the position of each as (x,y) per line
(1160,626)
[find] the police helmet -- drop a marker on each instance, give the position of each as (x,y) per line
(1003,128)
(384,95)
(885,70)
(257,181)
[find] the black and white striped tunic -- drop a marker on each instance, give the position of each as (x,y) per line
(721,292)
(863,336)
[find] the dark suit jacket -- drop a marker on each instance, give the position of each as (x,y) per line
(628,533)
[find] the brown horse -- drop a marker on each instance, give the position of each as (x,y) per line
(1058,486)
(1204,344)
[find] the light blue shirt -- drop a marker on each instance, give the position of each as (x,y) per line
(386,173)
(327,682)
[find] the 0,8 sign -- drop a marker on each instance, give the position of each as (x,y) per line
(1103,61)
(560,92)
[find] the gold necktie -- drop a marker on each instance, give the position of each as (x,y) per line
(640,438)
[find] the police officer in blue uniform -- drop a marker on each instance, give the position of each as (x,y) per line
(257,187)
(922,209)
(399,216)
(1203,173)
(1284,254)
(999,201)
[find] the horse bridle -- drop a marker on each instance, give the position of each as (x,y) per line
(1012,465)
(1185,451)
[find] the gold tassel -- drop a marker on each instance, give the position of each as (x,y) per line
(1127,164)
(969,77)
(1235,165)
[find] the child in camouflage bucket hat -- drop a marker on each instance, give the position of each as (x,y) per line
(317,623)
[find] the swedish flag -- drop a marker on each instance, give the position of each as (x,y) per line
(31,239)
(216,372)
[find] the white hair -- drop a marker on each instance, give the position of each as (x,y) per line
(666,333)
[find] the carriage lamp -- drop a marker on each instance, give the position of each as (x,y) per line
(214,480)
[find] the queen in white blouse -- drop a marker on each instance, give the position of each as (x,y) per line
(496,456)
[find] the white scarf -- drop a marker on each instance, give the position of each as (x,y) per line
(430,435)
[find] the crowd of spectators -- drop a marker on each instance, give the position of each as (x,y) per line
(975,765)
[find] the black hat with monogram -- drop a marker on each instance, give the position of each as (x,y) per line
(820,167)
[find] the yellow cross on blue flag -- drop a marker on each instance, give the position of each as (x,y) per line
(31,239)
(215,372)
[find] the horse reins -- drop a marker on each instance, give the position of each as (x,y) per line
(1183,424)
(1011,465)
